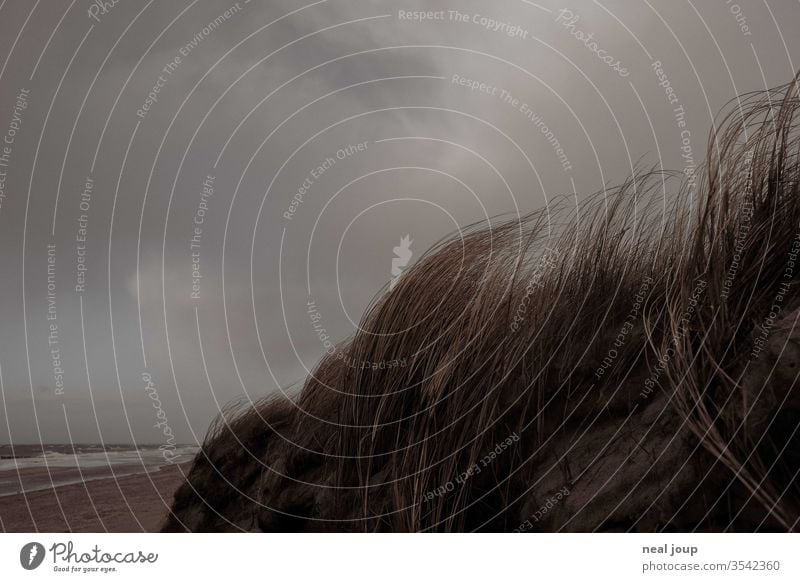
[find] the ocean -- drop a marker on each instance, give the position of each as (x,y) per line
(26,468)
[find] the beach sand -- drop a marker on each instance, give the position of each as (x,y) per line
(131,503)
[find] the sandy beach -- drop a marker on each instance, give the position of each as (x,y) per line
(130,503)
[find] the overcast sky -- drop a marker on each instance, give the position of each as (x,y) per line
(307,140)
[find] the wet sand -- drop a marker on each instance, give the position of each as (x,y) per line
(131,503)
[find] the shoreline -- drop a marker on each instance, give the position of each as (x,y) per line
(133,502)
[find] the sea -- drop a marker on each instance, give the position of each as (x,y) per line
(27,468)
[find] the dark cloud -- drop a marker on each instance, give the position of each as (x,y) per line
(451,156)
